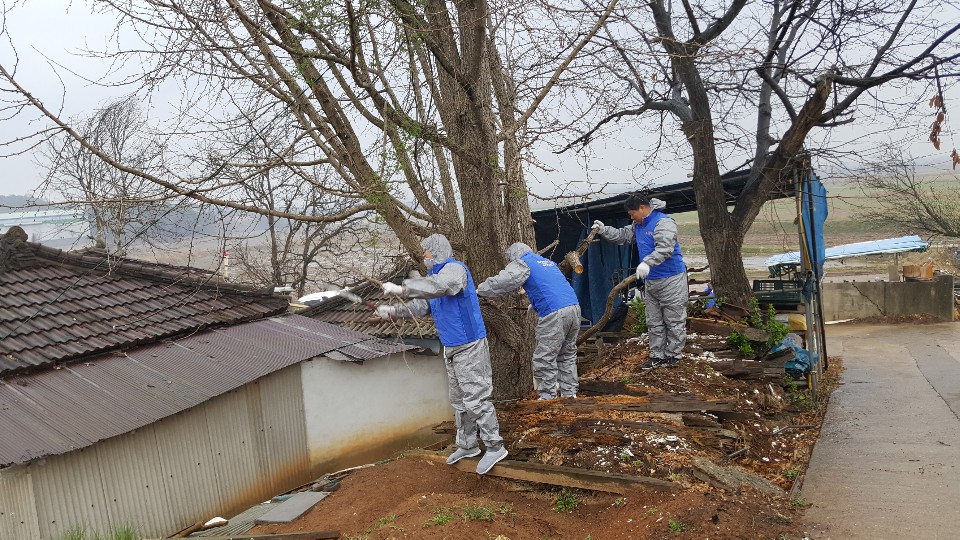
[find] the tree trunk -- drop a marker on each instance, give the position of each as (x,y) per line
(511,336)
(727,276)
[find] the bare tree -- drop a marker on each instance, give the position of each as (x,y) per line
(120,204)
(421,108)
(703,70)
(901,199)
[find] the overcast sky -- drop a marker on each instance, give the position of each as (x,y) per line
(49,39)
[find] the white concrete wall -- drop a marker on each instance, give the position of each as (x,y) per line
(357,413)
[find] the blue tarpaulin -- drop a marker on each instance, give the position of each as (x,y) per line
(814,214)
(603,266)
(606,264)
(873,247)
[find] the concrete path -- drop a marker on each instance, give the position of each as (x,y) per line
(887,464)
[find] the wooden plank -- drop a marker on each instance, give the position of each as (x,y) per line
(723,328)
(699,420)
(595,387)
(556,475)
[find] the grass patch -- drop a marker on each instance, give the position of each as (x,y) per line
(441,517)
(676,525)
(478,513)
(121,532)
(566,501)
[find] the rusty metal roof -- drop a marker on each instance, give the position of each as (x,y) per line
(58,306)
(58,410)
(344,313)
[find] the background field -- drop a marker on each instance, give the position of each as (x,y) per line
(774,232)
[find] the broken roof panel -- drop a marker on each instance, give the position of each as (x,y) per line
(357,317)
(58,410)
(61,306)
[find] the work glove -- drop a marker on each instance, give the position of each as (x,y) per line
(392,289)
(386,312)
(643,270)
(598,225)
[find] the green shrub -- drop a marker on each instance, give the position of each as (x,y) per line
(768,322)
(565,502)
(740,342)
(640,310)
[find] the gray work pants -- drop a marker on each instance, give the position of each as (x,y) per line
(666,305)
(555,357)
(470,378)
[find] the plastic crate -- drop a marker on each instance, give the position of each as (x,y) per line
(779,292)
(776,285)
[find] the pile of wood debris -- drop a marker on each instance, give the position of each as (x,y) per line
(725,422)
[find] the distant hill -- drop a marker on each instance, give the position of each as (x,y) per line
(8,202)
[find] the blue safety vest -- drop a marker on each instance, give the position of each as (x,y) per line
(547,287)
(457,317)
(643,232)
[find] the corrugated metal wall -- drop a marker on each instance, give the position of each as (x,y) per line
(241,447)
(18,513)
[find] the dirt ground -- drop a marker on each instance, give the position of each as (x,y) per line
(415,498)
(767,426)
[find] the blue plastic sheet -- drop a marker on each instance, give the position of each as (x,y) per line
(858,249)
(602,265)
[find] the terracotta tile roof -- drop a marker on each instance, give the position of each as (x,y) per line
(58,410)
(58,306)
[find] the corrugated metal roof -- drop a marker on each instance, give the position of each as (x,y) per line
(59,410)
(872,247)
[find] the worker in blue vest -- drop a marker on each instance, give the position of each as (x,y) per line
(558,312)
(448,293)
(665,275)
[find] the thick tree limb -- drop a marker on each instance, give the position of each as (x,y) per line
(566,265)
(619,288)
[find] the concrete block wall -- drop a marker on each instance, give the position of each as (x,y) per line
(854,300)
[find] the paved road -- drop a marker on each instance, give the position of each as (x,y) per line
(887,464)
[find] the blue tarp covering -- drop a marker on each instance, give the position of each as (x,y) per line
(606,264)
(814,214)
(603,265)
(873,247)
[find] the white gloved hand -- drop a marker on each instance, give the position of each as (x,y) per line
(598,225)
(392,289)
(643,270)
(386,312)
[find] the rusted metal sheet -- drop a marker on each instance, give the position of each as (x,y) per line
(213,459)
(132,481)
(18,518)
(286,453)
(65,496)
(59,410)
(233,426)
(187,462)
